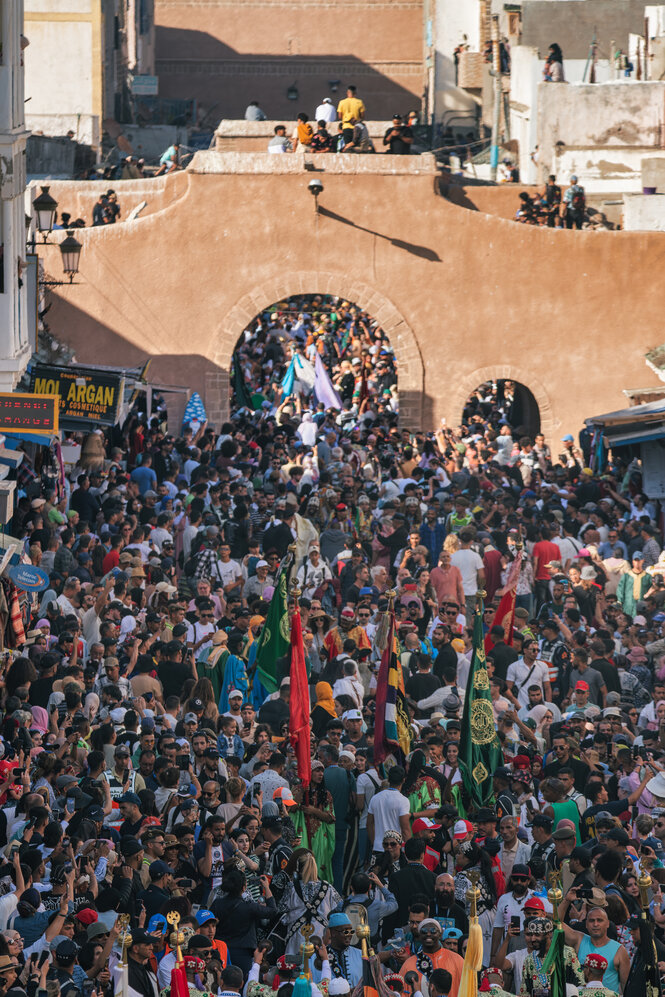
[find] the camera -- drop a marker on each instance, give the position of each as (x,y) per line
(585,893)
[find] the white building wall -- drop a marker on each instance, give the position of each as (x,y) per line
(63,78)
(14,345)
(526,74)
(454,23)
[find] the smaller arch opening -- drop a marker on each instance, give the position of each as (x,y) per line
(329,334)
(502,401)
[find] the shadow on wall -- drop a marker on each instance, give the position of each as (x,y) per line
(196,65)
(411,247)
(96,343)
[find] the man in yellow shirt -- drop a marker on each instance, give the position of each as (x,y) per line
(350,108)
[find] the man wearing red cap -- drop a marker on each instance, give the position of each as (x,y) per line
(424,827)
(580,699)
(594,967)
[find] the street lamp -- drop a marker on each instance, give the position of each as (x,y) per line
(45,208)
(71,251)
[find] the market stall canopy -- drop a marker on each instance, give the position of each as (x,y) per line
(638,424)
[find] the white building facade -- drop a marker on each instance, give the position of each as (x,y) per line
(16,310)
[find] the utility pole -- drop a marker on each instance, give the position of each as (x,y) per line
(498,91)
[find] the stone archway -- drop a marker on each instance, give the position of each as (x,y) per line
(410,368)
(461,391)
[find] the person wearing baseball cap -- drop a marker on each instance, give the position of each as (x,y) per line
(425,828)
(542,826)
(512,903)
(463,831)
(284,797)
(207,923)
(141,977)
(353,729)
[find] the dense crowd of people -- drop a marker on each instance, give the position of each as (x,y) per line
(147,771)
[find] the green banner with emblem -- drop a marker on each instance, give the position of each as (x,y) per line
(480,750)
(275,638)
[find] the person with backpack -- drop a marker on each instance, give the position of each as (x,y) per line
(574,204)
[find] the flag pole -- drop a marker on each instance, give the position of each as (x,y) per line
(647,944)
(555,896)
(473,959)
(299,701)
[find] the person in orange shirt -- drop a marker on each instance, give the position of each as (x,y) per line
(348,627)
(207,926)
(433,956)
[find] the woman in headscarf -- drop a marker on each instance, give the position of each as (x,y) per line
(324,708)
(542,715)
(307,430)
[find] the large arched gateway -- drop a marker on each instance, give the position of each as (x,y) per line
(452,288)
(402,340)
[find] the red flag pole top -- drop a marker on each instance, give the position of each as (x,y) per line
(299,698)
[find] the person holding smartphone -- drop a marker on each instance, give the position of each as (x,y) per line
(510,907)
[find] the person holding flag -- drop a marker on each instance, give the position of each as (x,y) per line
(644,978)
(392,734)
(480,751)
(551,963)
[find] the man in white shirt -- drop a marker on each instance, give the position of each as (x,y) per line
(388,811)
(325,111)
(528,671)
(511,904)
(470,566)
(228,571)
(69,592)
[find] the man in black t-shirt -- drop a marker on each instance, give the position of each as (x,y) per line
(423,683)
(173,672)
(398,137)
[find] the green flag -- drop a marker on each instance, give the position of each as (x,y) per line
(275,639)
(243,398)
(553,964)
(480,750)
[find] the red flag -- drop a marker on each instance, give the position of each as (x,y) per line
(505,611)
(503,617)
(299,703)
(179,986)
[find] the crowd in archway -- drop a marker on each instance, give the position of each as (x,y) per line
(151,761)
(351,345)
